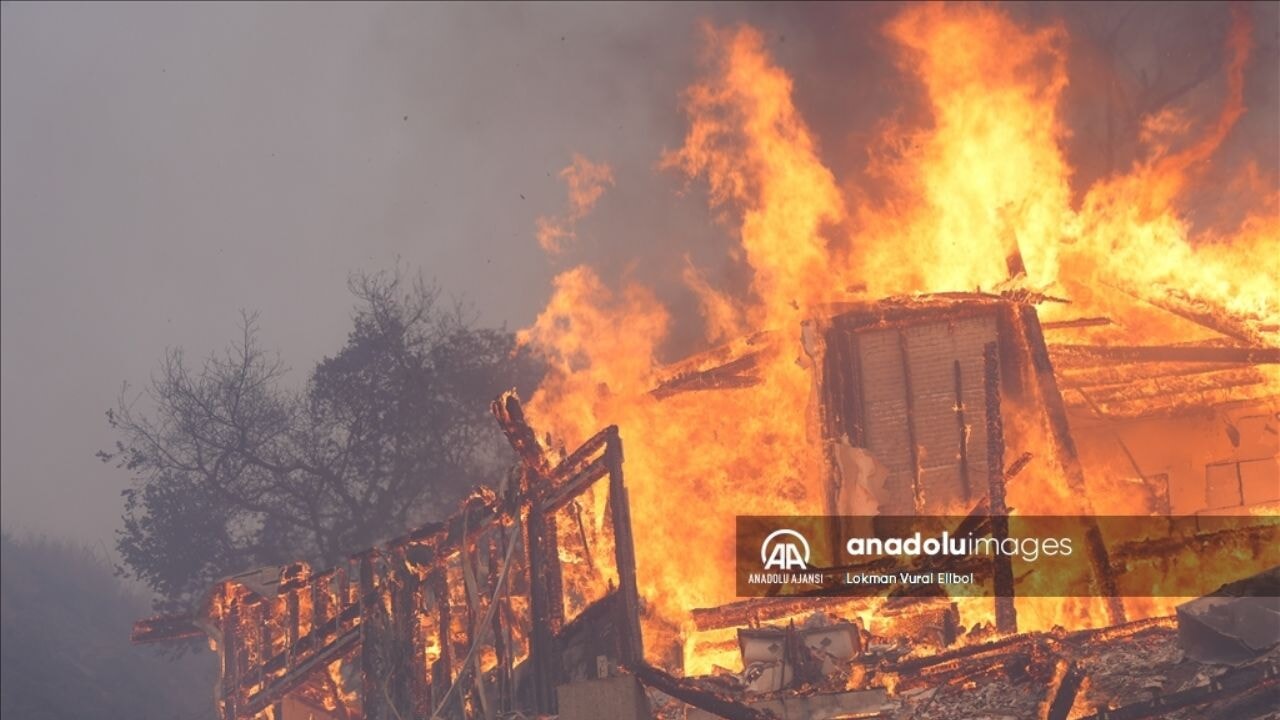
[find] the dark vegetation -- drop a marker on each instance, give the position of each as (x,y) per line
(64,643)
(234,469)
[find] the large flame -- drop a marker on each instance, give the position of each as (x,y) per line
(988,175)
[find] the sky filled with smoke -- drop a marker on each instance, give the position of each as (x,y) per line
(164,166)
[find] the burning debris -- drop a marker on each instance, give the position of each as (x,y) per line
(447,621)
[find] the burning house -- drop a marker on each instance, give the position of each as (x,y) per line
(527,600)
(899,358)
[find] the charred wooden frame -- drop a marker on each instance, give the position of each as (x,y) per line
(414,626)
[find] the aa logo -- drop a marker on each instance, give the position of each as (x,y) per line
(785,550)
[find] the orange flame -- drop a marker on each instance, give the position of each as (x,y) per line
(988,175)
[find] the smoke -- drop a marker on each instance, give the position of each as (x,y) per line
(164,166)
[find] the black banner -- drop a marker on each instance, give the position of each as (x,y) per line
(1049,556)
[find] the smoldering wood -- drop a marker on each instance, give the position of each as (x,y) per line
(952,665)
(229,646)
(632,640)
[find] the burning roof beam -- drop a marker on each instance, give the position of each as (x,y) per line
(1198,311)
(1077,323)
(1082,354)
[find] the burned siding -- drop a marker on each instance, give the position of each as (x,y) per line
(916,383)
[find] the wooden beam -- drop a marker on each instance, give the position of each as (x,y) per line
(297,676)
(375,629)
(632,640)
(1196,310)
(1001,565)
(733,374)
(1079,354)
(230,650)
(1068,677)
(544,658)
(962,430)
(510,416)
(165,628)
(1056,413)
(1076,323)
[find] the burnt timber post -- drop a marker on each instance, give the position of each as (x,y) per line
(632,641)
(1002,565)
(545,592)
(1055,409)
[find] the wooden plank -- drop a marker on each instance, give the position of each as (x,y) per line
(1082,354)
(579,459)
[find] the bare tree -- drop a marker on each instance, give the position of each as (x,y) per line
(232,469)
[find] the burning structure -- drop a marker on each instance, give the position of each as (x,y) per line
(521,602)
(1107,363)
